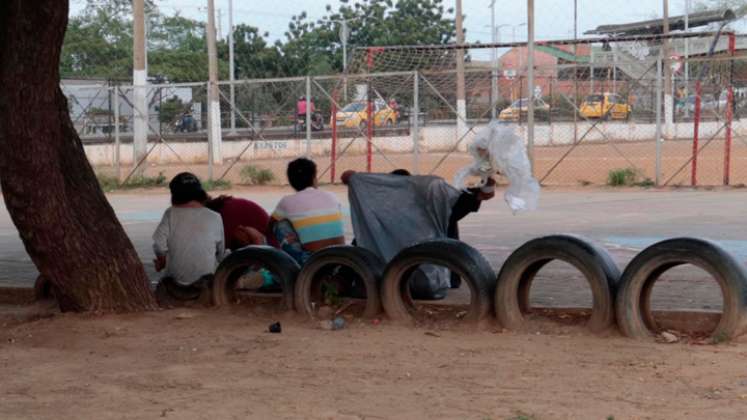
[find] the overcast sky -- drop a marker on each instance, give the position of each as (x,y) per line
(554,18)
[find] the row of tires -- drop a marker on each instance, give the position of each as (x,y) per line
(618,298)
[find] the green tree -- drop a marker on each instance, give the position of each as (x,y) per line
(82,250)
(314,47)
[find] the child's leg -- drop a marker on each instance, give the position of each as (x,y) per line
(288,240)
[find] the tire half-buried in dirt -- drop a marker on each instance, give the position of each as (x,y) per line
(521,267)
(284,268)
(364,264)
(634,296)
(458,257)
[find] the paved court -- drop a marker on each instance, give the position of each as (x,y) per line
(623,221)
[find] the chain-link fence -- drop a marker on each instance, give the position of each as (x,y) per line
(628,110)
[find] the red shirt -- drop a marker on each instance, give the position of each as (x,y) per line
(241,212)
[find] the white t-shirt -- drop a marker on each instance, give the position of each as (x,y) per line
(191,239)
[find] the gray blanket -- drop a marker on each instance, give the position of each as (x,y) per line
(392,212)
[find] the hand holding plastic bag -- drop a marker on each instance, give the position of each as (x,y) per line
(497,148)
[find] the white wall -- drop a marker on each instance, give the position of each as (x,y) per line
(437,138)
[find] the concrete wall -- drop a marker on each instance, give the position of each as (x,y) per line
(436,138)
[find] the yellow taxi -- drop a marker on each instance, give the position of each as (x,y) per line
(607,105)
(520,109)
(355,114)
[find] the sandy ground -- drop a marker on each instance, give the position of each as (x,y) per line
(217,364)
(220,363)
(586,163)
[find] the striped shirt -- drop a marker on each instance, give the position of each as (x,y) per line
(316,215)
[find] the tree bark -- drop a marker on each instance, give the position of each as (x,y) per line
(51,192)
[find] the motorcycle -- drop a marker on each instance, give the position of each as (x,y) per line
(317,123)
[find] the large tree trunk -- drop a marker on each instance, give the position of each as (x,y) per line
(66,224)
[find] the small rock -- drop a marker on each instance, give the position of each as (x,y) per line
(461,314)
(185,315)
(669,337)
(339,323)
(275,328)
(332,325)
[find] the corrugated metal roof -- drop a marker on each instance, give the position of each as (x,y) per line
(656,26)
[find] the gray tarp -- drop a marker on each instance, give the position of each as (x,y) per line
(392,212)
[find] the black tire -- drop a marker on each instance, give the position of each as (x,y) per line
(634,295)
(367,265)
(282,265)
(518,272)
(458,257)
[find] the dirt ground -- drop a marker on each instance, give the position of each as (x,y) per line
(221,364)
(587,163)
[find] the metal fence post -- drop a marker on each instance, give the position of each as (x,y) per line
(415,127)
(309,110)
(658,121)
(117,165)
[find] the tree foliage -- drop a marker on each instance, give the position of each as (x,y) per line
(98,42)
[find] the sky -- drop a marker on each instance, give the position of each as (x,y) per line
(554,18)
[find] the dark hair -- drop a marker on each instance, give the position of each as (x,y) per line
(186,187)
(301,173)
(401,172)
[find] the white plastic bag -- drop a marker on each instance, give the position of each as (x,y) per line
(497,148)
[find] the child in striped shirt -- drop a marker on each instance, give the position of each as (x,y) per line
(310,219)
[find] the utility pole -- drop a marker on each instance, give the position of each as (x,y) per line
(219,24)
(575,70)
(344,35)
(687,45)
(668,103)
(461,97)
(530,82)
(139,81)
(214,132)
(494,78)
(231,75)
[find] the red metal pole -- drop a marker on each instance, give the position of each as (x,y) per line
(696,127)
(729,112)
(333,151)
(369,116)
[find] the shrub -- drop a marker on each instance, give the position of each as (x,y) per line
(142,181)
(252,175)
(217,184)
(622,177)
(107,182)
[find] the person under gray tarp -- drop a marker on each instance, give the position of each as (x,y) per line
(391,212)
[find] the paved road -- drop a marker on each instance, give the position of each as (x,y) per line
(623,221)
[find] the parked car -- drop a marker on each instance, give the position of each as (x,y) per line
(520,109)
(606,105)
(708,103)
(355,114)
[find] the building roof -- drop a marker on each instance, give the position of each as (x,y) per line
(656,26)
